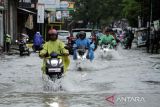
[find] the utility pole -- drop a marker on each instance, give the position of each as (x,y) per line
(149,27)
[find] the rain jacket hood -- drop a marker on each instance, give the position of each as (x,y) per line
(38,39)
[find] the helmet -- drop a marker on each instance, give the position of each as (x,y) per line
(52,31)
(82,35)
(107,30)
(53,35)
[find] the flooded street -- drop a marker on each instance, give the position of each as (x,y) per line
(131,78)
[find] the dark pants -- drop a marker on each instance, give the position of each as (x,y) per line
(7,47)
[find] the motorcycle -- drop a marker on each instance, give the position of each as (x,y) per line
(81,57)
(54,67)
(106,50)
(23,47)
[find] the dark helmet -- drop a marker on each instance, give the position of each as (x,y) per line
(82,34)
(107,30)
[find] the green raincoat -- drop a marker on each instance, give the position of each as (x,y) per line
(8,39)
(107,39)
(57,47)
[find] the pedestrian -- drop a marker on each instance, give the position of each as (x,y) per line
(37,41)
(8,42)
(56,46)
(131,37)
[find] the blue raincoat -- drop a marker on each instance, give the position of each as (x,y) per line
(87,43)
(38,39)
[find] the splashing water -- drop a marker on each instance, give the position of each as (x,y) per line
(50,85)
(76,82)
(111,54)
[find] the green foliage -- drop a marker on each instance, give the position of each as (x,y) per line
(98,11)
(131,11)
(107,11)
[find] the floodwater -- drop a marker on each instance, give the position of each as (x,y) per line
(132,77)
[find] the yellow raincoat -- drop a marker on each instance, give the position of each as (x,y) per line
(57,47)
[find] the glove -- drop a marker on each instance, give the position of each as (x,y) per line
(78,57)
(83,57)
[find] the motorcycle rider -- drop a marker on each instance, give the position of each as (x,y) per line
(37,41)
(108,38)
(82,41)
(57,46)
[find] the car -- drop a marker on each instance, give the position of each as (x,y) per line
(63,35)
(90,33)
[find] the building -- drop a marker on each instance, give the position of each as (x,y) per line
(8,19)
(1,21)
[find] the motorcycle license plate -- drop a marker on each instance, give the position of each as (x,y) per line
(54,70)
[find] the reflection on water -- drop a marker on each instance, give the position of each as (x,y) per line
(55,101)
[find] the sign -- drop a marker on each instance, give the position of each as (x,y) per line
(71,5)
(64,4)
(65,13)
(58,15)
(50,4)
(40,13)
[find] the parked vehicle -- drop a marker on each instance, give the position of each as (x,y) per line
(63,35)
(141,36)
(90,33)
(22,42)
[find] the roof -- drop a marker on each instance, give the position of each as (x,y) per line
(62,31)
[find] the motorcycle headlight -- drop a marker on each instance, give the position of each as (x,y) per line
(54,62)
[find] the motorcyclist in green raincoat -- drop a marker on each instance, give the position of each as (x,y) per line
(107,38)
(57,46)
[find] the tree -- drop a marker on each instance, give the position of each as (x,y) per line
(131,11)
(97,11)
